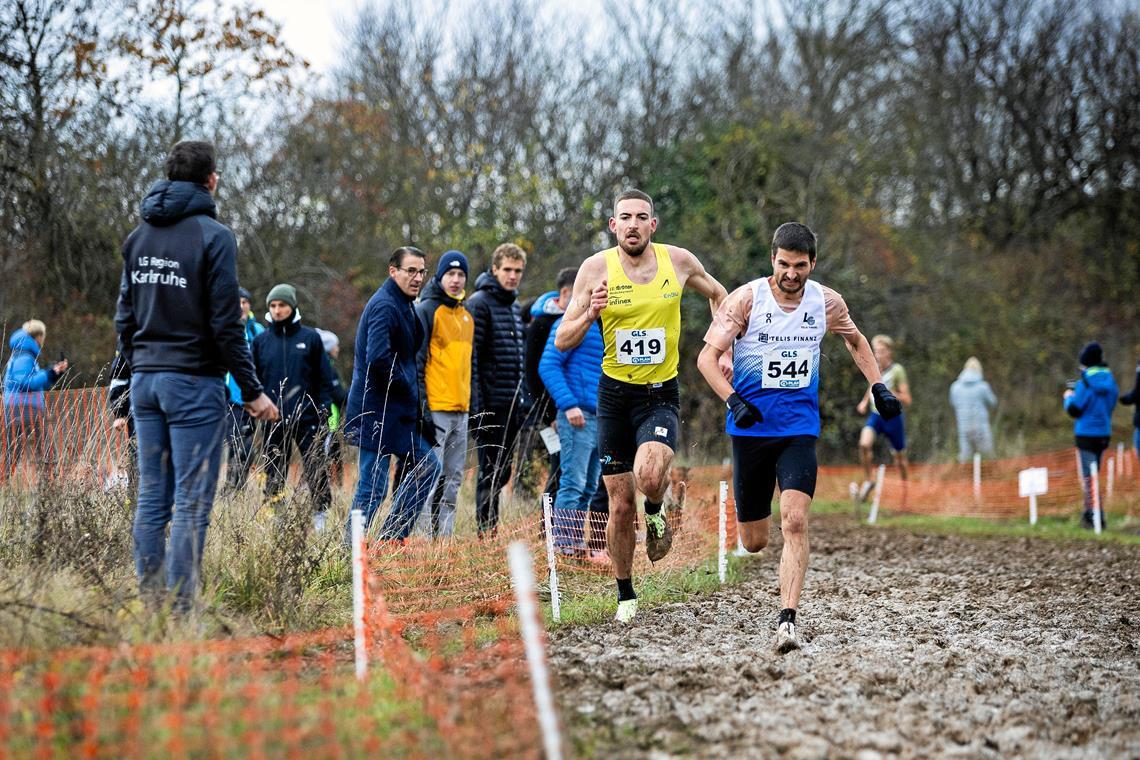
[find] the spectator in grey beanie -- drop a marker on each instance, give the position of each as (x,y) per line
(292,365)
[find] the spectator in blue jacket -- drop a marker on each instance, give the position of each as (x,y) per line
(1091,403)
(239,438)
(24,384)
(571,378)
(293,367)
(180,328)
(383,414)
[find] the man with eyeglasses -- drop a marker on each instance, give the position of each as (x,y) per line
(381,417)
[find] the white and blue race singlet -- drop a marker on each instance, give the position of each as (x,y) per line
(776,363)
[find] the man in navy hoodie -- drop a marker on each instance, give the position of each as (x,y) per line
(179,324)
(292,364)
(1090,404)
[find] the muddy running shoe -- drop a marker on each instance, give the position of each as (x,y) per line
(786,639)
(626,611)
(658,536)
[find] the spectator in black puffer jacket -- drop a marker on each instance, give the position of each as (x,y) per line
(292,365)
(498,395)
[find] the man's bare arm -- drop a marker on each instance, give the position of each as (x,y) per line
(697,277)
(586,302)
(708,362)
(860,351)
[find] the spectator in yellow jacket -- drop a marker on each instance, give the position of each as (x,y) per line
(444,363)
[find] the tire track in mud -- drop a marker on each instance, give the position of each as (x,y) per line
(914,646)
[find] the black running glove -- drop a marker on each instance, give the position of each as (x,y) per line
(744,413)
(885,402)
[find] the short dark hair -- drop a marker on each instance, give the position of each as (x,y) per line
(565,278)
(191,161)
(401,253)
(633,194)
(793,236)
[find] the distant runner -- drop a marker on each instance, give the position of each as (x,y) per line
(774,327)
(635,287)
(894,377)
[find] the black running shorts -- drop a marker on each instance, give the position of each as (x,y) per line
(630,415)
(758,463)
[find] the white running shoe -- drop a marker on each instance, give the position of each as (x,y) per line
(626,611)
(786,639)
(865,490)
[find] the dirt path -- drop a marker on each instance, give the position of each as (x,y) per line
(916,646)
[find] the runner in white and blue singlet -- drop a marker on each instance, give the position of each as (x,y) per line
(774,327)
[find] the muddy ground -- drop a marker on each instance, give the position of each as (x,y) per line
(915,646)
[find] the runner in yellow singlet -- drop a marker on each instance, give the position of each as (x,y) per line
(635,288)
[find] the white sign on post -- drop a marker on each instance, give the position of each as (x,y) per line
(1032,483)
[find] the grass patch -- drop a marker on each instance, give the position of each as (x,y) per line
(587,598)
(1122,529)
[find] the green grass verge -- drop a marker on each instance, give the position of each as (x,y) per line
(587,598)
(1122,528)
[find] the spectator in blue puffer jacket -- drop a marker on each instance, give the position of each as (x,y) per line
(1091,403)
(571,378)
(24,386)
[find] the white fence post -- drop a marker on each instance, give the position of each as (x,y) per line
(522,578)
(977,477)
(1120,460)
(878,494)
(359,634)
(548,520)
(1098,520)
(722,527)
(1111,477)
(1032,509)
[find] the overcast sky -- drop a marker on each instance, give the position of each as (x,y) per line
(315,30)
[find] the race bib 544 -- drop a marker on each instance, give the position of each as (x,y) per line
(787,368)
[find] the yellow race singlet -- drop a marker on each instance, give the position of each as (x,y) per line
(641,323)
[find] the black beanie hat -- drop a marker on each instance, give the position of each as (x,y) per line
(1091,355)
(452,259)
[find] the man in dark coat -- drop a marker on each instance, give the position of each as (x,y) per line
(498,396)
(292,365)
(382,417)
(179,324)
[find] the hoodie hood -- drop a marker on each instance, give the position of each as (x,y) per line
(169,202)
(285,324)
(490,283)
(433,291)
(547,303)
(21,341)
(1100,380)
(970,376)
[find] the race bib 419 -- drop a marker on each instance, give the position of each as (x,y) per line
(640,346)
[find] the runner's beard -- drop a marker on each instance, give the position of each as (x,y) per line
(634,252)
(790,291)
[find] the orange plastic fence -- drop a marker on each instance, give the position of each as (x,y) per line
(71,438)
(447,674)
